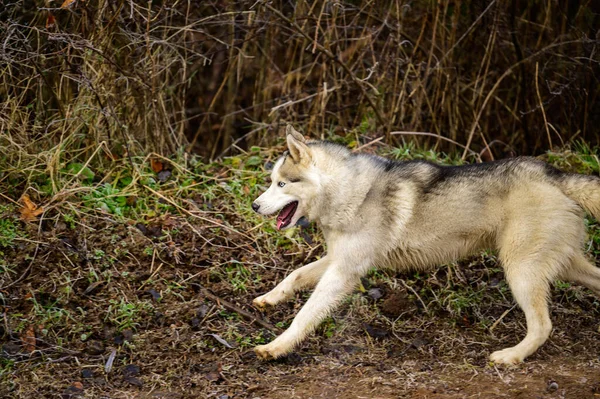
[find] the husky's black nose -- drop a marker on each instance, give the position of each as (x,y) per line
(255,206)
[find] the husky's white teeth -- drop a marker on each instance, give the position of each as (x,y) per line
(287,213)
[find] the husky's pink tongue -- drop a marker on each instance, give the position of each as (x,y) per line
(285,216)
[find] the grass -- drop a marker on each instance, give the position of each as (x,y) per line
(9,229)
(126,315)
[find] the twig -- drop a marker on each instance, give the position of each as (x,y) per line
(241,312)
(288,103)
(501,317)
(370,143)
(417,295)
(537,91)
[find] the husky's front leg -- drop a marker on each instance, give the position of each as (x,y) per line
(305,277)
(338,281)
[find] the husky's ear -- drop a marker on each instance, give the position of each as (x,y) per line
(299,151)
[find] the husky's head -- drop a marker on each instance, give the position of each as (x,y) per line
(292,183)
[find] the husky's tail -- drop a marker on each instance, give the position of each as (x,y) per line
(583,189)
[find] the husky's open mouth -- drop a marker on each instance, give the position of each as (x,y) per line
(287,213)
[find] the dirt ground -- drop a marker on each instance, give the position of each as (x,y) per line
(103,308)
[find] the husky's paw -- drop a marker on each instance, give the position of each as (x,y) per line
(507,356)
(269,351)
(260,302)
(265,300)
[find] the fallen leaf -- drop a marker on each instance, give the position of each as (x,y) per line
(28,339)
(221,340)
(50,21)
(67,3)
(156,165)
(30,211)
(111,359)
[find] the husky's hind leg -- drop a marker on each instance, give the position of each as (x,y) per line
(582,271)
(530,290)
(305,277)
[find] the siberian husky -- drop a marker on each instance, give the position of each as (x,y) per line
(376,212)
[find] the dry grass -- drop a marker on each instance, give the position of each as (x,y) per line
(216,76)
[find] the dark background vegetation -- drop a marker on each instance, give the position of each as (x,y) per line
(207,76)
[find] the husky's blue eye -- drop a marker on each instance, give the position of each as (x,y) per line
(281,184)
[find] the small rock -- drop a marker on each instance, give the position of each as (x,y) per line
(108,332)
(375,293)
(142,228)
(118,339)
(131,370)
(552,386)
(95,347)
(154,231)
(155,294)
(419,341)
(163,175)
(375,332)
(87,373)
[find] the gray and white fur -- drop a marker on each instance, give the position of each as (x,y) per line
(376,212)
